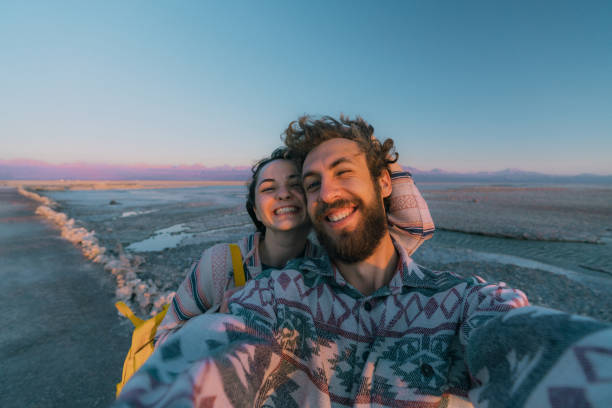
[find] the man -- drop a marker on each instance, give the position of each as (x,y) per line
(366,325)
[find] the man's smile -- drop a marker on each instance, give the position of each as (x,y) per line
(337,215)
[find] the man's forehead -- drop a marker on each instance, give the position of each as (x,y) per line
(330,153)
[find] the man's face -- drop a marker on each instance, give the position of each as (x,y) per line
(344,203)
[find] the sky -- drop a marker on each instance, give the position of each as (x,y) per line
(461,86)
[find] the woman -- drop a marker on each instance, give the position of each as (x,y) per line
(277,206)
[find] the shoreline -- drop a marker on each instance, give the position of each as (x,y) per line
(63,343)
(123,266)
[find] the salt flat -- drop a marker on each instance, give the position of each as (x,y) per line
(551,242)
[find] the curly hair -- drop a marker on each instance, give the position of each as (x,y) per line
(278,154)
(306,133)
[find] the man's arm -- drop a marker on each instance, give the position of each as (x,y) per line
(534,357)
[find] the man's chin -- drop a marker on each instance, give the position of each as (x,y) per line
(340,247)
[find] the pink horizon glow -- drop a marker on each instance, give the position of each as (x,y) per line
(90,168)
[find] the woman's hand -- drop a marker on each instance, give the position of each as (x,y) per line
(394,167)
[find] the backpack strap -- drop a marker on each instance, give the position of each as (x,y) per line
(143,339)
(127,312)
(239,277)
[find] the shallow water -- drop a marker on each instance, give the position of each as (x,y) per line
(161,239)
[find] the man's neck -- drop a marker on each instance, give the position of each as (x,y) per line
(373,272)
(278,247)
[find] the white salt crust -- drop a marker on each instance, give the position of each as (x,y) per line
(130,289)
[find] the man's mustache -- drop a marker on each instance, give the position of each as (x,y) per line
(323,208)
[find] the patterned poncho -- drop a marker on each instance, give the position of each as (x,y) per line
(303,336)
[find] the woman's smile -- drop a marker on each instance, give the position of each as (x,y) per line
(290,210)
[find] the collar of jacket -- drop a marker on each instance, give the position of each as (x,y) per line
(408,273)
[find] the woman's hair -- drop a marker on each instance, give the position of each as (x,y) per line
(278,154)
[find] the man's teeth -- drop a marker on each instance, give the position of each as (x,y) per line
(340,215)
(286,210)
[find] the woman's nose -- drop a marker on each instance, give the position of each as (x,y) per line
(283,193)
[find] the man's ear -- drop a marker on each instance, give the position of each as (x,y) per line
(384,182)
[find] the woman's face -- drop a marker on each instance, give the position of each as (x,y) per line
(279,198)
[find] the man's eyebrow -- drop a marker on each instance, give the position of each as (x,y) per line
(339,161)
(335,163)
(308,174)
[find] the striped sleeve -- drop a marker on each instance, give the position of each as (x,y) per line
(410,221)
(202,288)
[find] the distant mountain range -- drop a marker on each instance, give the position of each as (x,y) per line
(39,170)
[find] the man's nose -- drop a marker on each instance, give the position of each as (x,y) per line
(328,192)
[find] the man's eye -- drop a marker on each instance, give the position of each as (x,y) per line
(341,172)
(312,185)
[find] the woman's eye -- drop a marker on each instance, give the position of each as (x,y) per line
(267,189)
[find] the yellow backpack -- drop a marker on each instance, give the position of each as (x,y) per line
(143,337)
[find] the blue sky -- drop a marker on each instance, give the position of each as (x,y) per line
(463,86)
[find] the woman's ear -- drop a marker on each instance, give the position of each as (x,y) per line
(256,213)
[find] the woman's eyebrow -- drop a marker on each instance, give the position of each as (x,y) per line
(266,180)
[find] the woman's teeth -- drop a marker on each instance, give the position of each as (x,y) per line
(339,215)
(285,210)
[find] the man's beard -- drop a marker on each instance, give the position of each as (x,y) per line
(354,246)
